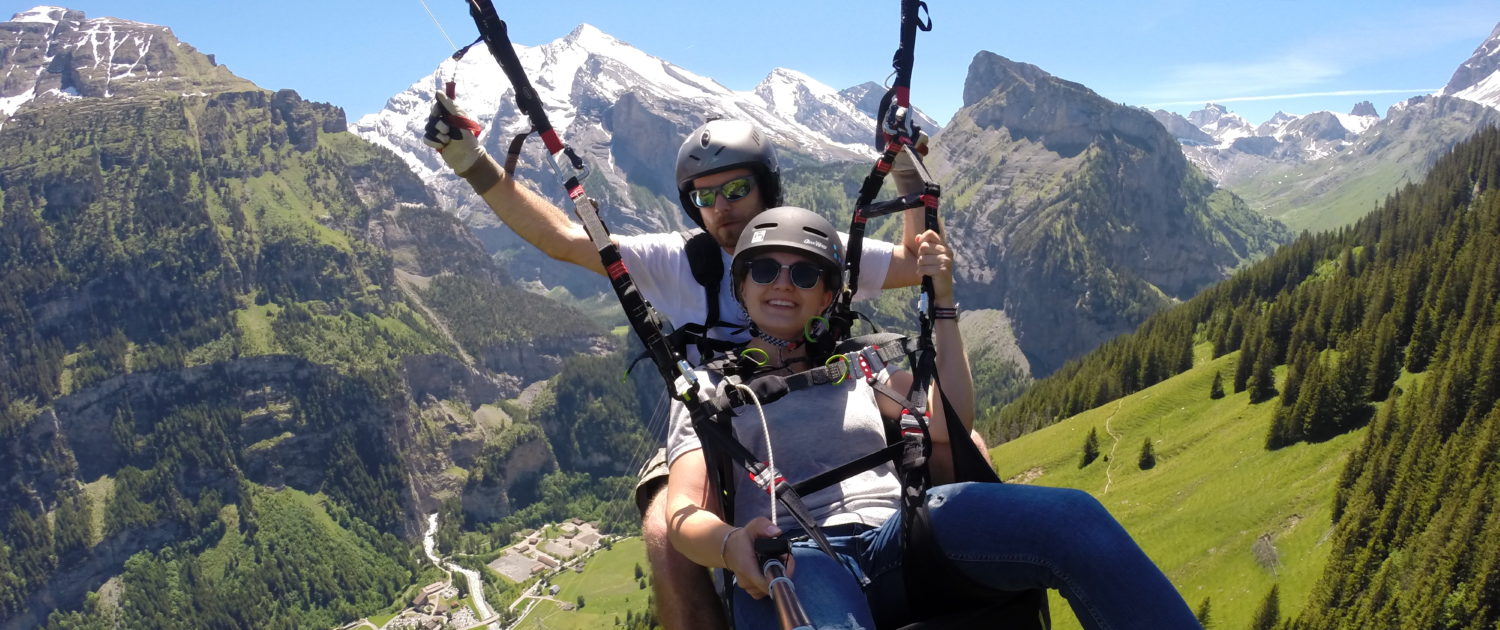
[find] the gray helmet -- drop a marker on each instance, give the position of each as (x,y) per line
(789,228)
(721,145)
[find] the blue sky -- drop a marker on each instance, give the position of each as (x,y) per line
(1167,54)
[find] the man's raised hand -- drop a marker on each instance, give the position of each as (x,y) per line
(453,134)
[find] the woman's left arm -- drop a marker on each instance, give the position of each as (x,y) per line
(957,382)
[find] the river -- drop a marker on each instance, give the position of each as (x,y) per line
(476,584)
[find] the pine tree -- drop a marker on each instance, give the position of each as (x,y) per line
(1216,391)
(1270,611)
(73,521)
(1147,460)
(1090,449)
(1423,341)
(1243,369)
(1315,405)
(1262,381)
(1204,614)
(1385,363)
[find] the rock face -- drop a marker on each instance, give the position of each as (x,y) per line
(1475,79)
(54,54)
(1364,108)
(1181,128)
(1076,216)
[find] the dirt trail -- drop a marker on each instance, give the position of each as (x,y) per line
(1109,466)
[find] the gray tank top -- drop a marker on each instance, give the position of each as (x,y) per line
(812,430)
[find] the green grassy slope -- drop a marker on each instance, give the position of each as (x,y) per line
(608,586)
(1214,492)
(1310,197)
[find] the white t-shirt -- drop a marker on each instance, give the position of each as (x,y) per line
(659,265)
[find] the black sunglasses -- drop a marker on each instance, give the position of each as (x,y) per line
(733,190)
(805,275)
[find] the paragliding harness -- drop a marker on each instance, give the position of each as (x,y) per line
(645,321)
(705,259)
(710,416)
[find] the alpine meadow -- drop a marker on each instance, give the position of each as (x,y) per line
(264,364)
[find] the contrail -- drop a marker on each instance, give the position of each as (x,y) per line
(1277,97)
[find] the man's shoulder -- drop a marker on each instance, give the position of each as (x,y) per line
(653,239)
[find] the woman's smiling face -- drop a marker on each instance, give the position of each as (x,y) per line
(781,308)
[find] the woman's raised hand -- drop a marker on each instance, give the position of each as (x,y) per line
(935,259)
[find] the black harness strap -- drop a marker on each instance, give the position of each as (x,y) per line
(891,453)
(708,269)
(707,265)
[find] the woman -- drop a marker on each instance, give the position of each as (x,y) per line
(1008,537)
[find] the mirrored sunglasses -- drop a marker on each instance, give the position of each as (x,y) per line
(733,190)
(805,275)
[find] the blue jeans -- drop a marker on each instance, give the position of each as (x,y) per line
(1008,537)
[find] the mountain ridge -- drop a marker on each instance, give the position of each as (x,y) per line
(1325,169)
(56,55)
(1078,216)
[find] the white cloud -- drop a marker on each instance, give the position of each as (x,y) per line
(1300,68)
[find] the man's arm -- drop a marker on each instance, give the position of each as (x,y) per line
(903,271)
(542,224)
(530,215)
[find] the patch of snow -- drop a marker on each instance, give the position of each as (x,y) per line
(1355,124)
(1486,92)
(9,104)
(40,14)
(66,94)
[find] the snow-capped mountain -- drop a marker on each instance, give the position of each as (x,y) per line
(791,94)
(1478,79)
(625,111)
(1239,152)
(1229,148)
(1326,169)
(866,96)
(1221,124)
(50,54)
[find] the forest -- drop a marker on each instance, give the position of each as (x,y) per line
(1411,290)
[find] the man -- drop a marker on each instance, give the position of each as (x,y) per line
(726,174)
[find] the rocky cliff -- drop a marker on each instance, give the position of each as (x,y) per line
(1077,216)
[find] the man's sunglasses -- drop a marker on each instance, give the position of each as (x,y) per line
(733,190)
(805,275)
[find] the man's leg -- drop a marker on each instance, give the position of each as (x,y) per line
(984,449)
(684,593)
(685,598)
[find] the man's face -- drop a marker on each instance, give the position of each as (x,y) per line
(725,219)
